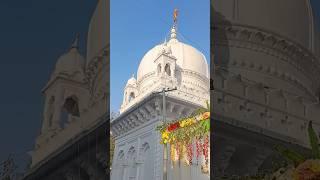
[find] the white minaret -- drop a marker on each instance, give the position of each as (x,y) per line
(66,97)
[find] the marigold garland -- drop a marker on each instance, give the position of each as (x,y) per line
(186,130)
(182,134)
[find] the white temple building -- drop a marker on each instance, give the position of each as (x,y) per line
(266,81)
(138,153)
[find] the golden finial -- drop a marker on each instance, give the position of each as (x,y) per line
(175,15)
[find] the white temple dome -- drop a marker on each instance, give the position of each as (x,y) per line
(70,63)
(188,58)
(291,19)
(172,64)
(99,31)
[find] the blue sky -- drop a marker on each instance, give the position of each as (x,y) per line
(316,10)
(137,26)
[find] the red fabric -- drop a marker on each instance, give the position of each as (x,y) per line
(173,127)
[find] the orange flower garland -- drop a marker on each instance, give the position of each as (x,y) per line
(186,134)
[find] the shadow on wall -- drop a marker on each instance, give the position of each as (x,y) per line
(220,53)
(234,151)
(219,40)
(219,63)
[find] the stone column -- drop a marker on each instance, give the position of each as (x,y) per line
(139,164)
(57,110)
(45,121)
(125,170)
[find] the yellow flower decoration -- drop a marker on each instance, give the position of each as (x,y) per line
(191,121)
(165,137)
(165,134)
(315,166)
(182,123)
(187,122)
(171,140)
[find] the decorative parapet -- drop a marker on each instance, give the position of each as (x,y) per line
(96,66)
(181,93)
(148,109)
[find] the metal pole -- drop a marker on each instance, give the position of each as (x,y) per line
(165,150)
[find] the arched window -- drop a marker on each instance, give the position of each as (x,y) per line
(120,155)
(69,108)
(148,163)
(159,68)
(132,156)
(119,168)
(167,69)
(131,97)
(131,153)
(144,148)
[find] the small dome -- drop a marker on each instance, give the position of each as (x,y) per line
(70,63)
(188,58)
(132,81)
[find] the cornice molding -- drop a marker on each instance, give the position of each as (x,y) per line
(270,43)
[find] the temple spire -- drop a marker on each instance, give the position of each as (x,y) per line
(173,32)
(175,16)
(75,43)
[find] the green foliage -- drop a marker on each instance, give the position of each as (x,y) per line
(290,155)
(187,134)
(297,158)
(313,141)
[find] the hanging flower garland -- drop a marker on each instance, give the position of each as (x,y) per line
(185,130)
(185,134)
(300,167)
